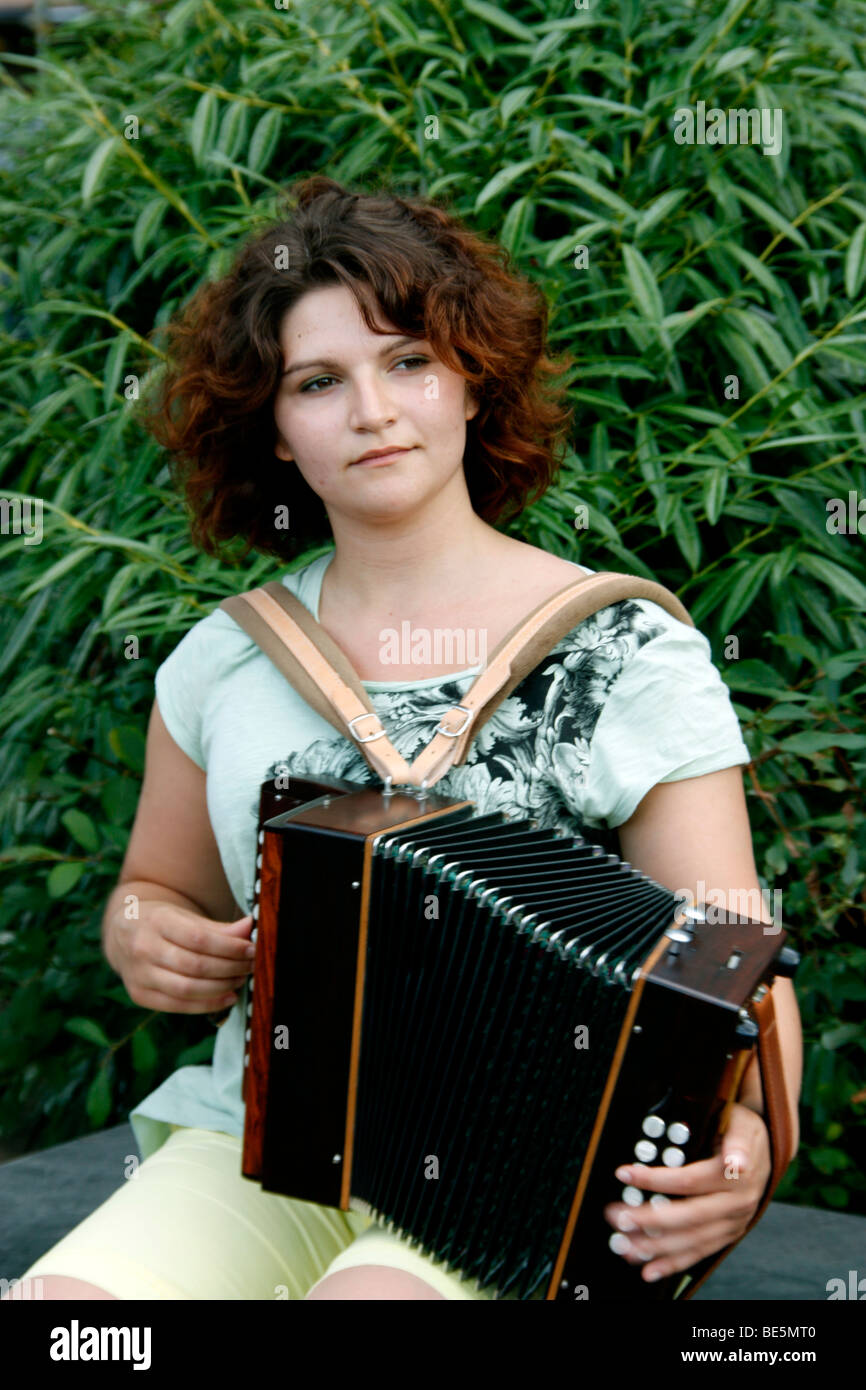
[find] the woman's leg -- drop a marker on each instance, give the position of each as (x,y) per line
(364,1282)
(48,1286)
(380,1263)
(188,1225)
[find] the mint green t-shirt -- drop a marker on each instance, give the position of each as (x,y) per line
(630,697)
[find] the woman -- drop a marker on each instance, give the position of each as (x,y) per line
(363,324)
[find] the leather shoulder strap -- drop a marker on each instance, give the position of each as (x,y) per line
(312,662)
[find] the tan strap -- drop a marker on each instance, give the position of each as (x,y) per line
(299,646)
(777,1118)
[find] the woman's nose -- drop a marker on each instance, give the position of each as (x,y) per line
(372,406)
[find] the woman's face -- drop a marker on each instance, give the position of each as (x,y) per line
(347,391)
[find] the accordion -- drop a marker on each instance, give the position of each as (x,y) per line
(462,1024)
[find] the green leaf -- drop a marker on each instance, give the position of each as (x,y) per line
(144,1051)
(95,168)
(98,1101)
(500,19)
(715,486)
(264,140)
(88,1029)
(146,224)
(597,191)
(56,571)
(642,284)
(814,741)
(755,675)
(503,179)
(128,744)
(204,126)
(745,587)
(770,215)
(82,829)
(29,854)
(687,537)
(113,367)
(199,1052)
(842,581)
(63,877)
(844,1033)
(834,1196)
(659,209)
(855,262)
(734,58)
(514,100)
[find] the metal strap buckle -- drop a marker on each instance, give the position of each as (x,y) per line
(455,733)
(368,714)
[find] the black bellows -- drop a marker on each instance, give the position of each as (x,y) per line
(491,944)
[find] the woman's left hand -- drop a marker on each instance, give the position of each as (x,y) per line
(718,1198)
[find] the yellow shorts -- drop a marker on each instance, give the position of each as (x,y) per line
(188,1225)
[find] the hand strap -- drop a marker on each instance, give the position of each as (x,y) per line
(777,1118)
(312,662)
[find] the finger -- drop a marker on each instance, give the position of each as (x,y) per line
(685,1215)
(196,935)
(187,989)
(707,1175)
(662,1266)
(164,1003)
(178,961)
(678,1250)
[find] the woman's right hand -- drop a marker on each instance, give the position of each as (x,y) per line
(179,961)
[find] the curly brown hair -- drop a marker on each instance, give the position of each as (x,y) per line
(408,258)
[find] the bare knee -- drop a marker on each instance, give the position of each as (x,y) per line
(372,1281)
(52,1286)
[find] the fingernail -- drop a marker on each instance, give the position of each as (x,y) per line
(250,951)
(625,1223)
(652,1275)
(624,1174)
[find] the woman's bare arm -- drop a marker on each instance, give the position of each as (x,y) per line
(171,927)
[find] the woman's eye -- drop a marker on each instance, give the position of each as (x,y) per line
(315,380)
(307,384)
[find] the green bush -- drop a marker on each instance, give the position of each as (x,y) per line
(137,154)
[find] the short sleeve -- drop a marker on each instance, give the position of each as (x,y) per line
(181,684)
(667,716)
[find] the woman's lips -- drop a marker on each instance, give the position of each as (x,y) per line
(380,458)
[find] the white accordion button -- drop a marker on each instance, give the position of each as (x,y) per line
(679,1134)
(645,1151)
(632,1196)
(618,1243)
(673,1158)
(258,887)
(653,1126)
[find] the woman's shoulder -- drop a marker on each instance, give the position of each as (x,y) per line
(645,618)
(217,630)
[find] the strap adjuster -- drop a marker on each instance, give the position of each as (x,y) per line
(455,733)
(367,714)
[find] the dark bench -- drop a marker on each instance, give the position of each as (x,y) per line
(791,1254)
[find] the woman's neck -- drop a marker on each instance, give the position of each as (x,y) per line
(412,573)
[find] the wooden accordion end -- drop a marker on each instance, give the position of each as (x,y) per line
(461,1025)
